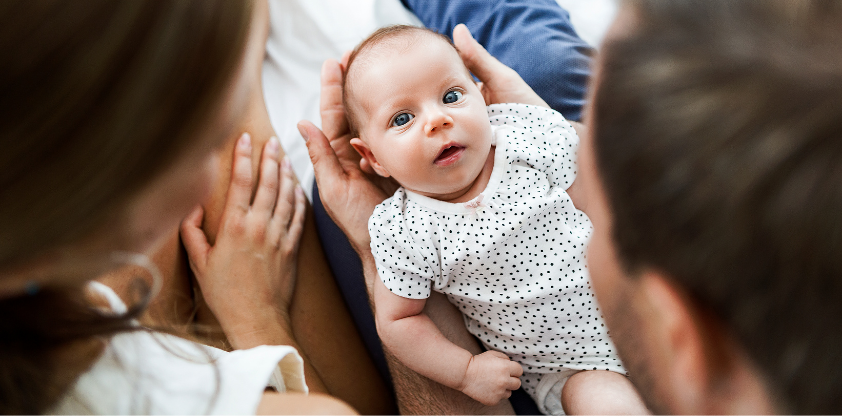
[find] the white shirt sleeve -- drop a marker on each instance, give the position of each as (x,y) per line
(143,372)
(546,135)
(402,266)
(147,372)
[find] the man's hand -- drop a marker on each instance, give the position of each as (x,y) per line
(491,377)
(349,195)
(500,84)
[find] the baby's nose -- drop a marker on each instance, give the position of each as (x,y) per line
(436,121)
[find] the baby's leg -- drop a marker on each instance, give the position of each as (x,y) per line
(598,392)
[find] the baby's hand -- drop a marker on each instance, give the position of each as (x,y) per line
(491,377)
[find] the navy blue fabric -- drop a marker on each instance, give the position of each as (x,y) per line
(522,403)
(534,37)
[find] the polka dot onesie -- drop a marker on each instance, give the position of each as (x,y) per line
(513,259)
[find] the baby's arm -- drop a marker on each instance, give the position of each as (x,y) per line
(413,338)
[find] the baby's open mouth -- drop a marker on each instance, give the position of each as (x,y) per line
(449,154)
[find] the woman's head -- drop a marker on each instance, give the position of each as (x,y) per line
(717,137)
(110,110)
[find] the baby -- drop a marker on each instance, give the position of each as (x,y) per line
(482,216)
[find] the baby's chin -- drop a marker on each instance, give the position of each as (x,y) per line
(444,193)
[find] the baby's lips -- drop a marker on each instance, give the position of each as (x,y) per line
(449,155)
(446,147)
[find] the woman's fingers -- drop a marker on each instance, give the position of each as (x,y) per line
(286,198)
(267,189)
(296,225)
(285,204)
(194,239)
(239,191)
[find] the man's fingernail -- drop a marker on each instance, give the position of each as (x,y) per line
(303,132)
(285,163)
(467,30)
(245,142)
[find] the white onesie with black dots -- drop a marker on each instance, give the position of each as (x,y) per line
(513,259)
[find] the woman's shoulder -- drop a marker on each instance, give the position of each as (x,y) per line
(147,372)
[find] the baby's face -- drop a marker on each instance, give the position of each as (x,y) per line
(422,116)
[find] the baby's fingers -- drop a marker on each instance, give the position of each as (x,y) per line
(497,354)
(513,384)
(267,190)
(515,369)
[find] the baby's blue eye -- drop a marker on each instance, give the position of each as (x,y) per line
(402,119)
(452,97)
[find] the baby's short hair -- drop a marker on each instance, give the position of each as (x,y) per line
(378,38)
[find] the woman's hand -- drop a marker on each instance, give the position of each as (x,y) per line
(348,187)
(500,84)
(247,277)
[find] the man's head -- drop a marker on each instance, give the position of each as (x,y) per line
(715,150)
(416,112)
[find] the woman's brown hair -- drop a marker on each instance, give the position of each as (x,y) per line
(97,98)
(718,136)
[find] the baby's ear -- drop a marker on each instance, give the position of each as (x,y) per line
(368,162)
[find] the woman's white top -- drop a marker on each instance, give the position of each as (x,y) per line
(154,373)
(513,259)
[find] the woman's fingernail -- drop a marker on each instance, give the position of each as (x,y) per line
(298,190)
(285,164)
(273,145)
(303,132)
(245,142)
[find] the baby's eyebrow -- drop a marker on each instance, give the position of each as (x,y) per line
(453,79)
(380,113)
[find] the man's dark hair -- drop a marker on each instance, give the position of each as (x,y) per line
(718,138)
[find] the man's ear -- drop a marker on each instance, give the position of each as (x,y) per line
(368,158)
(681,339)
(706,369)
